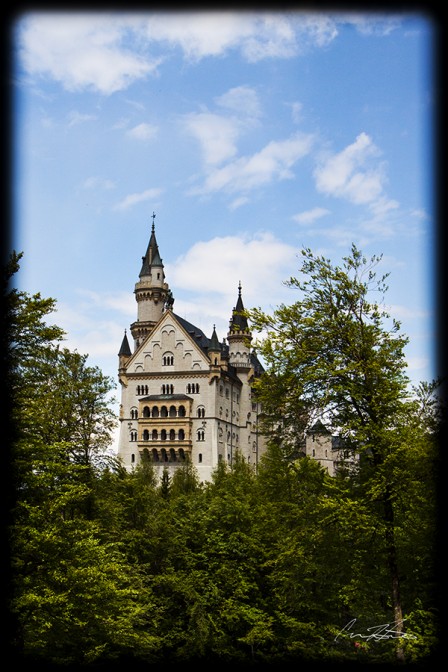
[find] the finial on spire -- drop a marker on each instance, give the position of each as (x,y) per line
(153,218)
(239,288)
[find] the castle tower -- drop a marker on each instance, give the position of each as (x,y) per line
(239,337)
(151,291)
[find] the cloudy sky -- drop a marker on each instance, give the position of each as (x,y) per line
(250,136)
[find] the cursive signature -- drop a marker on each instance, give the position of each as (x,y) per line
(376,632)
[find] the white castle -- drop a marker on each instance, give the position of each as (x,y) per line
(185,396)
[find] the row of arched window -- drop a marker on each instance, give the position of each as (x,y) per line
(166,435)
(165,412)
(191,388)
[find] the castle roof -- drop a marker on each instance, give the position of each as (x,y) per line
(125,350)
(238,322)
(152,256)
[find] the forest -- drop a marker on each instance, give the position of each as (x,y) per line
(280,565)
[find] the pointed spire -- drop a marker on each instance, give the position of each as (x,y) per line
(152,256)
(214,343)
(238,322)
(125,350)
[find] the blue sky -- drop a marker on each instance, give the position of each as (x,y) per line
(250,135)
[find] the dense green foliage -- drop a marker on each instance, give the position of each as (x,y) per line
(111,566)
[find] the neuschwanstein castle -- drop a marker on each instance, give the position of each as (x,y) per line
(185,395)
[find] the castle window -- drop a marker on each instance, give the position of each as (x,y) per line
(181,435)
(173,412)
(163,435)
(200,458)
(164,455)
(172,435)
(173,457)
(201,435)
(146,412)
(181,454)
(164,412)
(181,411)
(168,359)
(155,455)
(134,414)
(145,435)
(314,453)
(132,458)
(155,412)
(133,436)
(201,412)
(155,434)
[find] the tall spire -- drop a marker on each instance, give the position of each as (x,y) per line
(238,322)
(152,256)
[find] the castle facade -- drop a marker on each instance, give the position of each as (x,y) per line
(185,395)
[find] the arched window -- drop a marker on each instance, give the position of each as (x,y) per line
(164,412)
(155,455)
(132,458)
(181,435)
(155,434)
(145,435)
(168,359)
(181,411)
(146,412)
(155,412)
(172,435)
(200,457)
(181,454)
(201,412)
(163,435)
(164,455)
(173,412)
(188,388)
(173,457)
(201,435)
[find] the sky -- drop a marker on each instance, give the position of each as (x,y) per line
(249,135)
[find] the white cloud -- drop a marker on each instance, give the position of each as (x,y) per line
(260,262)
(81,51)
(108,52)
(274,161)
(350,174)
(257,36)
(75,118)
(242,100)
(132,199)
(143,132)
(98,183)
(217,135)
(310,216)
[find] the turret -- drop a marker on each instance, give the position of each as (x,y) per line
(150,291)
(239,336)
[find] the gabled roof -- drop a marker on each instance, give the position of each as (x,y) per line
(319,428)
